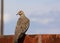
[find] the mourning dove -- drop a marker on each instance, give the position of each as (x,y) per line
(22,25)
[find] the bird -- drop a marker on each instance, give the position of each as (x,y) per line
(21,26)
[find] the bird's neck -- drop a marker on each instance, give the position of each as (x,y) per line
(22,16)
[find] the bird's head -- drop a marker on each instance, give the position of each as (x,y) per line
(20,13)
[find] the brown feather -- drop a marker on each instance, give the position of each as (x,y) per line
(22,26)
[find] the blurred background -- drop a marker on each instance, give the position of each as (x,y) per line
(44,16)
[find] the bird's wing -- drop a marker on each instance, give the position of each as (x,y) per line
(27,23)
(18,29)
(22,26)
(19,26)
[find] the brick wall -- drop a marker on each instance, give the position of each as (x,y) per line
(6,39)
(45,38)
(51,38)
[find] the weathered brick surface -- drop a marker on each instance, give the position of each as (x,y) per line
(45,38)
(31,39)
(50,38)
(6,39)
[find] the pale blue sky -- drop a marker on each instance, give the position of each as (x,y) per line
(44,15)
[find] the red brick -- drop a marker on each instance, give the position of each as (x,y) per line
(44,38)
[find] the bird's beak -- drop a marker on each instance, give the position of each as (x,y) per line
(16,14)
